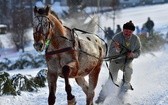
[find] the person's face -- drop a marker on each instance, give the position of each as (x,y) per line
(127,33)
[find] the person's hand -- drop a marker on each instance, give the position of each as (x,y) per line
(130,55)
(117,46)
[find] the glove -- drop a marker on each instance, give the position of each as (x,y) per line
(117,46)
(130,55)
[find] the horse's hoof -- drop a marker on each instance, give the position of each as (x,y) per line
(72,101)
(90,104)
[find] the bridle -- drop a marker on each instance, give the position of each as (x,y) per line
(43,23)
(39,30)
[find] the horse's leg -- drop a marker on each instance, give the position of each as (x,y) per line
(52,79)
(83,84)
(93,78)
(70,97)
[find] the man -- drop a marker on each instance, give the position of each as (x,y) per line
(149,25)
(109,34)
(125,46)
(118,29)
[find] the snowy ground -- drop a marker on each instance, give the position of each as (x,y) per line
(149,78)
(149,81)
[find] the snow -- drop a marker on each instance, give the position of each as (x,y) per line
(3,26)
(139,16)
(149,79)
(6,40)
(56,7)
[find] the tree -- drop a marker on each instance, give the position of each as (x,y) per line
(115,6)
(75,5)
(21,19)
(4,12)
(3,7)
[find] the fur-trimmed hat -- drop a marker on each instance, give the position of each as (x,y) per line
(129,25)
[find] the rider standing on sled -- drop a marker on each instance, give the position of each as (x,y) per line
(126,46)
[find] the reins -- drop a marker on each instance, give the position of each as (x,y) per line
(109,58)
(89,33)
(73,40)
(57,51)
(72,48)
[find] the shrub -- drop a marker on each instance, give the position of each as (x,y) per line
(152,43)
(40,79)
(26,60)
(6,86)
(23,83)
(18,82)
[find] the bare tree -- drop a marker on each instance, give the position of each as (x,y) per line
(21,20)
(4,12)
(75,5)
(3,7)
(20,24)
(115,6)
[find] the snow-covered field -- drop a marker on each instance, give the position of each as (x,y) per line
(149,79)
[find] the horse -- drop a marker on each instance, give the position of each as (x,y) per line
(69,53)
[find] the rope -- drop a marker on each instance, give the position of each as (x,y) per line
(106,58)
(85,51)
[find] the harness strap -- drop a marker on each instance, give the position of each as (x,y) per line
(59,51)
(81,30)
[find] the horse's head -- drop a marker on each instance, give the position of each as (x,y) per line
(41,27)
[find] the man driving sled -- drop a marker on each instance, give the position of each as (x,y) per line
(125,46)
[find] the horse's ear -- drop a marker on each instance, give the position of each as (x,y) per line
(35,9)
(47,9)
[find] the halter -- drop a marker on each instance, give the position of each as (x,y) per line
(39,29)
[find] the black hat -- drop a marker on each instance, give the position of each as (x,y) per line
(129,25)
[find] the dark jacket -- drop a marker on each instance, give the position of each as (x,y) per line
(149,25)
(109,34)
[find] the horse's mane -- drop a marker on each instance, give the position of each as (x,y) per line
(53,13)
(59,26)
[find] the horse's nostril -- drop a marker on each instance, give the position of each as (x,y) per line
(41,45)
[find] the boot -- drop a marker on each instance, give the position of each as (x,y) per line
(127,86)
